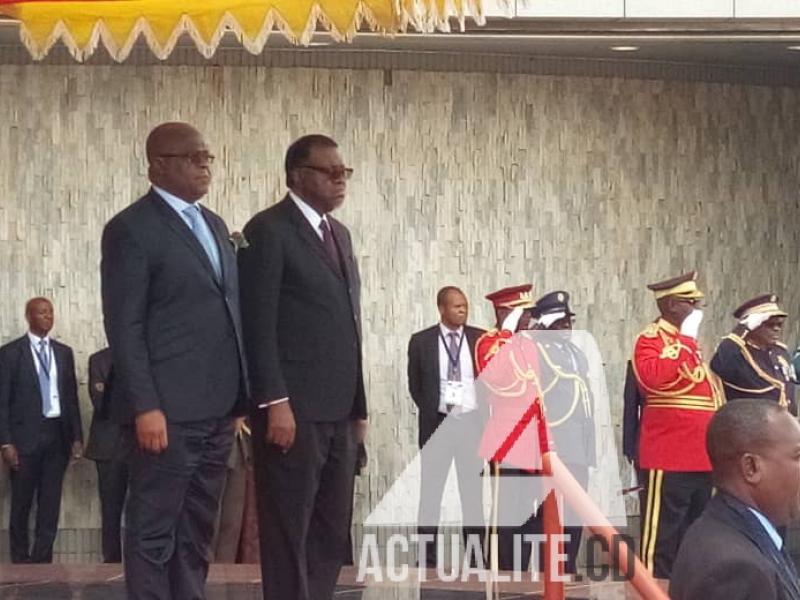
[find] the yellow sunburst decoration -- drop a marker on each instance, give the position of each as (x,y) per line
(117,24)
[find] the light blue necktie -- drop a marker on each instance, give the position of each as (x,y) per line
(203,234)
(44,376)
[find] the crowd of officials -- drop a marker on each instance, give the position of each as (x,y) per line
(234,379)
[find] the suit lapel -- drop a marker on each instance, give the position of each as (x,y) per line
(58,356)
(433,346)
(224,246)
(472,339)
(309,236)
(343,246)
(26,364)
(181,229)
(750,527)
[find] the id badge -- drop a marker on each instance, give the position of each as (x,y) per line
(454,393)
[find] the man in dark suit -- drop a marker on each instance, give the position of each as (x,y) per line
(40,427)
(733,551)
(441,375)
(105,449)
(300,308)
(170,302)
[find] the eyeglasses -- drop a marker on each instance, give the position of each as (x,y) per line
(692,301)
(196,158)
(333,173)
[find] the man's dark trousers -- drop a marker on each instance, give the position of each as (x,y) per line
(172,508)
(112,485)
(320,466)
(40,474)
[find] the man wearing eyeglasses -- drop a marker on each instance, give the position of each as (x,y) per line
(301,316)
(170,303)
(680,397)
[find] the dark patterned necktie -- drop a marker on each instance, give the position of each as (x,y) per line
(330,244)
(453,364)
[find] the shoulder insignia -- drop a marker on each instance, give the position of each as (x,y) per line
(782,345)
(650,331)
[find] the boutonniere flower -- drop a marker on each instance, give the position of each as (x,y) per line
(238,240)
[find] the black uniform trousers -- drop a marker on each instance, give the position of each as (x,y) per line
(670,502)
(305,497)
(172,508)
(525,496)
(40,474)
(112,485)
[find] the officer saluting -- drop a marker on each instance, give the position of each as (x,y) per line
(512,312)
(679,400)
(751,361)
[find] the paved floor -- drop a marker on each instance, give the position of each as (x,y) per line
(241,582)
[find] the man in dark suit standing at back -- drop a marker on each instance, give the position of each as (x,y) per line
(301,315)
(105,449)
(40,426)
(170,302)
(441,376)
(734,551)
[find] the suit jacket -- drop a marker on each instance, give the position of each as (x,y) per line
(727,555)
(21,399)
(424,376)
(631,419)
(173,329)
(104,434)
(302,316)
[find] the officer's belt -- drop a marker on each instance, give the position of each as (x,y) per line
(702,403)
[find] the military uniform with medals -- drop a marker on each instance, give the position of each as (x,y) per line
(748,370)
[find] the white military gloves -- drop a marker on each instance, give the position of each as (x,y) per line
(691,324)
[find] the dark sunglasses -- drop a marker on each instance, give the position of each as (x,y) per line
(196,158)
(333,173)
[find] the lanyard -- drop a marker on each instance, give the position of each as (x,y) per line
(454,360)
(41,360)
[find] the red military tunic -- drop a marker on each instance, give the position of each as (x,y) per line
(508,367)
(680,399)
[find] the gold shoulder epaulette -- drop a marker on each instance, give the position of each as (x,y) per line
(650,331)
(782,345)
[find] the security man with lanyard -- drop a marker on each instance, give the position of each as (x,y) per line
(751,361)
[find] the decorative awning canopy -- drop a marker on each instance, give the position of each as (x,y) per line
(117,24)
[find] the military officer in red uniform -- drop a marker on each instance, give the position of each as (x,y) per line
(510,381)
(751,361)
(512,307)
(680,397)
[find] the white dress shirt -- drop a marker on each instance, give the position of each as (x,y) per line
(465,366)
(768,527)
(312,216)
(55,401)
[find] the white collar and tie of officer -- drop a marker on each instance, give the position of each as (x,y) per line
(44,359)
